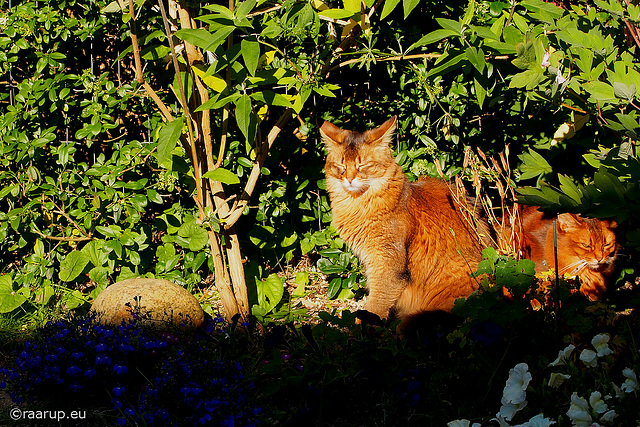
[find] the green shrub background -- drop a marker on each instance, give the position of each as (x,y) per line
(93,190)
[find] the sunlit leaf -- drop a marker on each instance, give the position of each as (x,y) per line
(9,299)
(168,138)
(72,265)
(223,175)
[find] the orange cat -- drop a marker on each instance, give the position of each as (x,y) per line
(416,250)
(586,247)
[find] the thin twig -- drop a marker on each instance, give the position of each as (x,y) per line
(62,239)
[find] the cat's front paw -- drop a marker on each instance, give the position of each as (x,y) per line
(364,318)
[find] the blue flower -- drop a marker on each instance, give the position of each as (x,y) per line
(118,391)
(89,373)
(77,355)
(73,370)
(205,420)
(120,369)
(75,387)
(103,360)
(101,347)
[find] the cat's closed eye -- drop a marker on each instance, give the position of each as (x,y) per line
(366,168)
(585,245)
(339,169)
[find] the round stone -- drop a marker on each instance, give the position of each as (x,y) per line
(155,302)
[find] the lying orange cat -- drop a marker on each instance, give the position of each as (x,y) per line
(416,249)
(586,247)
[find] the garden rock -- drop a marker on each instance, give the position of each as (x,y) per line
(155,302)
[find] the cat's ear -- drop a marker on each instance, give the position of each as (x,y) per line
(569,221)
(383,134)
(332,134)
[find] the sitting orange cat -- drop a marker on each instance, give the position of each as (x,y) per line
(586,247)
(416,249)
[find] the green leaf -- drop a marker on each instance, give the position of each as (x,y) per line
(203,38)
(73,300)
(251,55)
(600,91)
(540,6)
(337,14)
(43,294)
(623,91)
(628,122)
(168,138)
(352,5)
(302,280)
(270,97)
(526,52)
(72,265)
(528,79)
(476,57)
(197,37)
(100,275)
(432,37)
(243,114)
(533,165)
(245,8)
(335,286)
(447,64)
(481,92)
(570,189)
(389,6)
(153,196)
(450,24)
(223,175)
(270,292)
(408,6)
(9,299)
(195,235)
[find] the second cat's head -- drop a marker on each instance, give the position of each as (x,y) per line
(358,162)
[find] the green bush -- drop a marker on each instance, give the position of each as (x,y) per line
(95,187)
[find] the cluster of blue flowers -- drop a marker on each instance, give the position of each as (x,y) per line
(144,376)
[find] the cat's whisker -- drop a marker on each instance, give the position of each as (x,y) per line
(574,267)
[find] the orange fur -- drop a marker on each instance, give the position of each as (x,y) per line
(416,250)
(586,247)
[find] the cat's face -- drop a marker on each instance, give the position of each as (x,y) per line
(357,162)
(591,243)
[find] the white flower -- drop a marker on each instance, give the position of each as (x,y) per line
(608,416)
(631,383)
(557,379)
(589,357)
(508,410)
(579,411)
(560,78)
(501,421)
(517,383)
(537,421)
(596,402)
(563,355)
(462,423)
(545,61)
(600,343)
(514,396)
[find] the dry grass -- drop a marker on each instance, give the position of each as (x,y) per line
(501,213)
